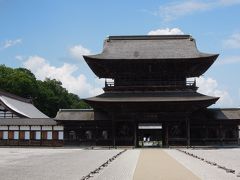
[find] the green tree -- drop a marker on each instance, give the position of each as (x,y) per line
(48,96)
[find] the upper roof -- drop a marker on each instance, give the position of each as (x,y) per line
(28,121)
(150,47)
(20,105)
(75,114)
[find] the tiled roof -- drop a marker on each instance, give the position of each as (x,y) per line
(226,113)
(75,114)
(170,96)
(150,47)
(20,105)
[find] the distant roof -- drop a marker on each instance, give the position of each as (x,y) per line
(28,121)
(75,114)
(21,106)
(226,113)
(150,47)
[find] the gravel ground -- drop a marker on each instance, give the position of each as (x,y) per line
(71,164)
(122,168)
(205,171)
(54,164)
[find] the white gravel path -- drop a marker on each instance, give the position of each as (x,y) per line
(10,156)
(202,169)
(50,164)
(229,158)
(121,168)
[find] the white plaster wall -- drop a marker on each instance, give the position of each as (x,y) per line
(35,127)
(13,128)
(24,127)
(58,128)
(3,127)
(46,127)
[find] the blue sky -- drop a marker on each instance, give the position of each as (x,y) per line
(49,37)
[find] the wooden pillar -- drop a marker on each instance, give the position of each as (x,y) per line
(221,129)
(135,132)
(188,131)
(238,133)
(113,132)
(166,134)
(95,132)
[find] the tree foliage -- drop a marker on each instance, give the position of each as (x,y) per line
(48,96)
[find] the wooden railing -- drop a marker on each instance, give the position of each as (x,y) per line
(154,83)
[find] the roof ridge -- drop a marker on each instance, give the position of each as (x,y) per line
(10,95)
(147,37)
(61,110)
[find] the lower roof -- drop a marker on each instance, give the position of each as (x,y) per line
(225,113)
(168,96)
(75,114)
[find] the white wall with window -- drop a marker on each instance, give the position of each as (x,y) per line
(49,135)
(60,135)
(5,134)
(27,135)
(16,135)
(38,135)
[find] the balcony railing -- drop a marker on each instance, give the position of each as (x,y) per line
(150,85)
(153,83)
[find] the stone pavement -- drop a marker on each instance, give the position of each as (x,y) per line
(156,164)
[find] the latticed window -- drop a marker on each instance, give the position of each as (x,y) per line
(4,113)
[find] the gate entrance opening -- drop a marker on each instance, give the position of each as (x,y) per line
(150,135)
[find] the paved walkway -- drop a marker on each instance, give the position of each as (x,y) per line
(156,164)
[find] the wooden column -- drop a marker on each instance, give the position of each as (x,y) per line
(113,131)
(135,132)
(221,133)
(166,134)
(188,131)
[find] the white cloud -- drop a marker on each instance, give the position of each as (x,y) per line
(177,9)
(10,43)
(233,41)
(228,2)
(78,51)
(167,31)
(229,60)
(19,57)
(209,86)
(74,84)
